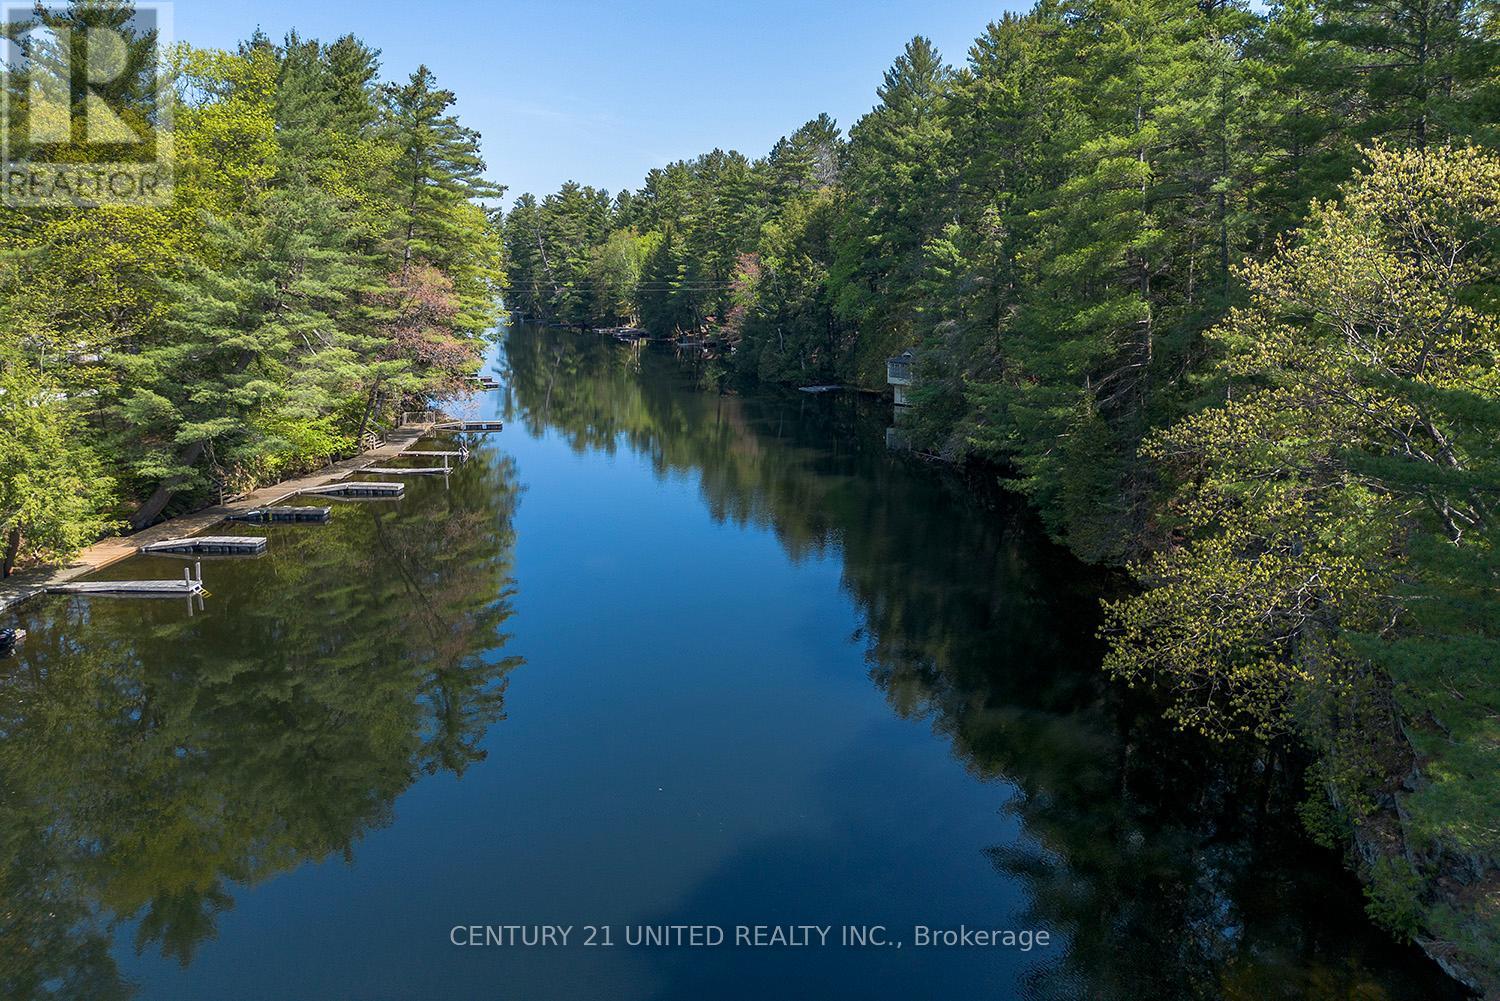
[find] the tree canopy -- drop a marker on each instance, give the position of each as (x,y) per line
(327,258)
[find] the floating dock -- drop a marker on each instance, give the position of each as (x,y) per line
(407,470)
(132,588)
(475,427)
(261,515)
(364,489)
(223,545)
(461,454)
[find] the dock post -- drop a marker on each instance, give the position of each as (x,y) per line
(199,566)
(187,576)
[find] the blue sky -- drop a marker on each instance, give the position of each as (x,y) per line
(602,92)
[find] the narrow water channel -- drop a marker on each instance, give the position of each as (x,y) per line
(652,656)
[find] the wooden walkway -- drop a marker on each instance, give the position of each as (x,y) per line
(101,554)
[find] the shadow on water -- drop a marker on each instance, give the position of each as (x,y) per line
(153,762)
(1172,867)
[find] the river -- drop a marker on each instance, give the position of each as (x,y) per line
(655,655)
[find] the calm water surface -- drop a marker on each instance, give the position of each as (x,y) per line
(653,656)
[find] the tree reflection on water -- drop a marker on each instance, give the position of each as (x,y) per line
(152,763)
(1173,868)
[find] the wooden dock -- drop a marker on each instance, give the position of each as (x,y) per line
(414,427)
(407,470)
(262,515)
(222,545)
(460,454)
(473,427)
(360,489)
(131,588)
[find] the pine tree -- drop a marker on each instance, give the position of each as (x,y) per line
(265,336)
(803,162)
(1006,114)
(1422,67)
(894,184)
(1307,108)
(438,174)
(526,259)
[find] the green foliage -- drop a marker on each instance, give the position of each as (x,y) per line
(327,260)
(1423,67)
(1334,570)
(437,174)
(1054,224)
(895,176)
(52,489)
(1393,890)
(671,255)
(614,272)
(792,332)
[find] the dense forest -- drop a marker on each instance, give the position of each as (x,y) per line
(325,259)
(1215,286)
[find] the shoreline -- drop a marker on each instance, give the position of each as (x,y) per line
(28,584)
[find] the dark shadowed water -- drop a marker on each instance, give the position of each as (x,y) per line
(653,656)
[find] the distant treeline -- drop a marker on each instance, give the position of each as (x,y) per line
(324,262)
(1217,286)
